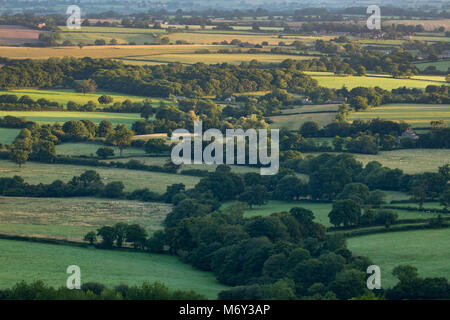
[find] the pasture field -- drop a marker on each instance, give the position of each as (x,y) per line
(384,82)
(36,261)
(427,250)
(7,135)
(418,115)
(90,149)
(95,52)
(64,116)
(312,108)
(321,210)
(213,58)
(442,65)
(294,122)
(411,161)
(62,96)
(35,173)
(72,218)
(159,161)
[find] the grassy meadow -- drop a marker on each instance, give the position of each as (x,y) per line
(321,210)
(441,65)
(90,149)
(36,261)
(64,116)
(8,135)
(409,160)
(427,250)
(62,96)
(72,218)
(34,172)
(295,121)
(418,115)
(383,81)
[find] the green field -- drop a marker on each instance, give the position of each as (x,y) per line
(321,210)
(90,149)
(64,116)
(62,96)
(409,160)
(441,65)
(72,218)
(382,81)
(7,135)
(427,250)
(34,173)
(36,261)
(213,58)
(159,161)
(419,115)
(295,121)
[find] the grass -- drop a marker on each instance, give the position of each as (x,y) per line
(62,96)
(382,81)
(64,116)
(419,115)
(7,135)
(90,149)
(36,261)
(159,161)
(213,58)
(34,173)
(427,250)
(411,161)
(321,210)
(294,122)
(441,65)
(111,52)
(72,218)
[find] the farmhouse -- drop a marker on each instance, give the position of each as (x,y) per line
(408,134)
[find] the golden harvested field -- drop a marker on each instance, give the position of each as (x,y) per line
(208,38)
(13,35)
(427,24)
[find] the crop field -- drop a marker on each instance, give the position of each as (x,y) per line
(427,24)
(384,82)
(427,250)
(34,173)
(294,122)
(253,38)
(14,35)
(418,115)
(121,37)
(64,116)
(36,261)
(72,218)
(90,149)
(62,96)
(441,65)
(7,135)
